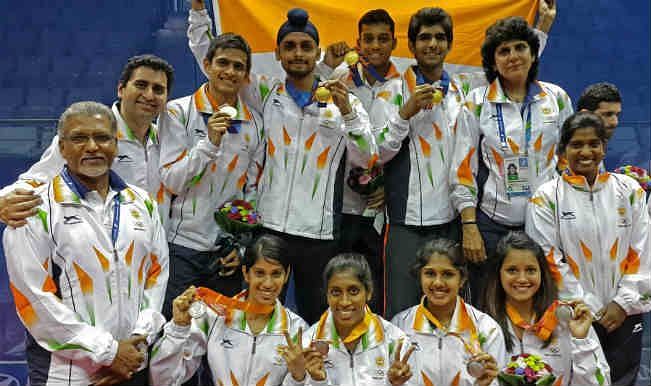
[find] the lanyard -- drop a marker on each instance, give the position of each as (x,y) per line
(444,83)
(357,79)
(501,130)
(301,98)
(115,227)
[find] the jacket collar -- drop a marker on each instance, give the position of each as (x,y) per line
(205,104)
(580,183)
(497,95)
(69,190)
(125,132)
(278,322)
(373,333)
(460,323)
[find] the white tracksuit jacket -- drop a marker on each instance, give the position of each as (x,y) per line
(477,136)
(441,358)
(369,364)
(596,238)
(200,175)
(235,355)
(301,189)
(76,291)
(136,163)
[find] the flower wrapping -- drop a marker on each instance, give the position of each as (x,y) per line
(526,370)
(365,181)
(639,174)
(236,217)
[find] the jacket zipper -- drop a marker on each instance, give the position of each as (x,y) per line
(248,371)
(604,288)
(352,368)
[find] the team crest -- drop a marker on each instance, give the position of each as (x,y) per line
(379,361)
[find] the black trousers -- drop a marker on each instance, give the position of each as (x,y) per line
(359,236)
(623,349)
(403,241)
(308,258)
(478,274)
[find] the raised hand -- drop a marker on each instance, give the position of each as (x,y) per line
(335,54)
(292,353)
(581,320)
(400,371)
(490,368)
(420,98)
(181,305)
(339,93)
(217,125)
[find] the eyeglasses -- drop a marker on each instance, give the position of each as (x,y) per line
(100,139)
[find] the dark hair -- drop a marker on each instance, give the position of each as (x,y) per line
(267,247)
(150,61)
(230,40)
(376,16)
(581,120)
(428,17)
(504,30)
(495,297)
(441,246)
(597,93)
(353,262)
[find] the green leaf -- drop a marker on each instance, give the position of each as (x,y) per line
(43,216)
(631,198)
(316,184)
(478,110)
(156,348)
(552,206)
(397,100)
(561,103)
(429,174)
(600,377)
(361,142)
(108,289)
(264,90)
(150,207)
(204,326)
(196,179)
(56,346)
(194,205)
(465,86)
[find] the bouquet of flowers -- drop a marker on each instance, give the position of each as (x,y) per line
(236,217)
(365,181)
(639,174)
(526,370)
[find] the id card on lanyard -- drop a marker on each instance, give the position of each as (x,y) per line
(515,167)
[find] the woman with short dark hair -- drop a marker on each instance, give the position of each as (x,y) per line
(505,142)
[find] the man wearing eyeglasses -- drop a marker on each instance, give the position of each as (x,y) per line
(142,92)
(88,272)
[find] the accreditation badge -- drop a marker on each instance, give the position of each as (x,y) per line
(516,176)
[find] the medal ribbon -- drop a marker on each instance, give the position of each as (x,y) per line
(301,98)
(357,79)
(214,299)
(472,347)
(444,83)
(543,328)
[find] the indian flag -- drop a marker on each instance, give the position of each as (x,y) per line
(258,21)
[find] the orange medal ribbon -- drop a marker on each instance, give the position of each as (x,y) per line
(214,300)
(543,328)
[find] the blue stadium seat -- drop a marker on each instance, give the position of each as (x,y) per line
(30,71)
(98,94)
(10,99)
(67,71)
(42,103)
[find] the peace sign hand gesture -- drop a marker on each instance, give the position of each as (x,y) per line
(400,371)
(292,353)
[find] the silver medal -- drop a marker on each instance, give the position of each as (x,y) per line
(197,309)
(229,110)
(564,313)
(475,369)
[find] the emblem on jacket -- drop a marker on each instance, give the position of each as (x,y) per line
(124,159)
(568,215)
(226,343)
(69,220)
